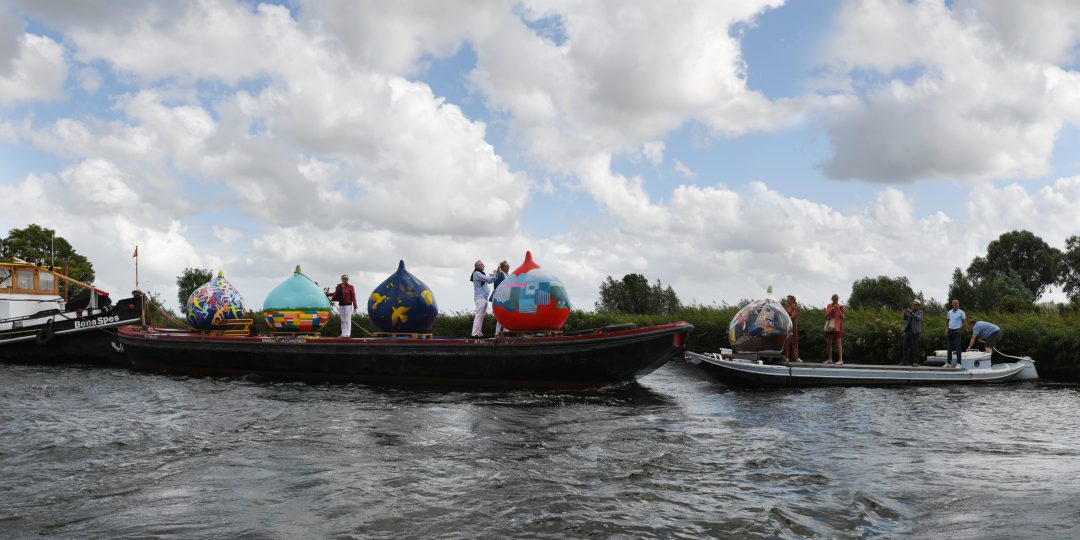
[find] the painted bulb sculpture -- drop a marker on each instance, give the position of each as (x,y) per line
(214,303)
(762,326)
(402,304)
(297,305)
(531,298)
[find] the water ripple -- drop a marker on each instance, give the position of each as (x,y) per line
(110,453)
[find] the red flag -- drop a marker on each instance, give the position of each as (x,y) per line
(136,251)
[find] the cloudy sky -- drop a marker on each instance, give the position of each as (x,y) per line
(721,147)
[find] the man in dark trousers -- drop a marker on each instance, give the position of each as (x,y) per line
(912,328)
(345,296)
(988,333)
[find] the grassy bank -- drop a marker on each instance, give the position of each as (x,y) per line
(872,337)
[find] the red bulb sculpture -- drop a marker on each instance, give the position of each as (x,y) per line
(531,298)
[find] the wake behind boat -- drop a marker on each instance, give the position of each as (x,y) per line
(596,358)
(977,367)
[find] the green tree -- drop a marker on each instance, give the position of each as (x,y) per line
(1031,258)
(882,292)
(664,299)
(633,294)
(189,280)
(1070,269)
(960,288)
(1000,291)
(39,245)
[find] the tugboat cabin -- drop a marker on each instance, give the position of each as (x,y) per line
(26,289)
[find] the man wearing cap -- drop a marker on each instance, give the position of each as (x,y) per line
(912,328)
(988,333)
(345,296)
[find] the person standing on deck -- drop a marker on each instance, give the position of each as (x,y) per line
(500,275)
(912,329)
(988,333)
(480,282)
(791,348)
(957,319)
(345,296)
(834,329)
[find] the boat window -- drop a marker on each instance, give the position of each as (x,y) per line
(26,279)
(46,281)
(5,278)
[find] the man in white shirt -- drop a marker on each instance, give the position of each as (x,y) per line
(957,320)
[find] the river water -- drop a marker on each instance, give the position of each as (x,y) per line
(107,453)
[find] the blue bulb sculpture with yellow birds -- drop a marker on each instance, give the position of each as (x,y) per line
(402,304)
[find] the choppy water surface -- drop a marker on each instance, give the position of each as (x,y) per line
(108,453)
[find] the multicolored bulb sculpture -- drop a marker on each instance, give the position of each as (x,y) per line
(298,305)
(531,298)
(760,327)
(215,302)
(402,304)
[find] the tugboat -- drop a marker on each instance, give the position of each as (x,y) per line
(39,325)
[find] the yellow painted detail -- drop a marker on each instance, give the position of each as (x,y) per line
(377,299)
(399,315)
(428,297)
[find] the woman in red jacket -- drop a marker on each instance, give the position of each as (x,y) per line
(834,329)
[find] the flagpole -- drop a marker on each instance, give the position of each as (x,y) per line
(137,292)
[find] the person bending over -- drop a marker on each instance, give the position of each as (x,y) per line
(988,333)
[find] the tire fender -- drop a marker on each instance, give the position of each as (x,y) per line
(45,334)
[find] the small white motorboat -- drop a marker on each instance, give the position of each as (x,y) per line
(975,367)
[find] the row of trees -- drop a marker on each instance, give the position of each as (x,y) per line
(1018,268)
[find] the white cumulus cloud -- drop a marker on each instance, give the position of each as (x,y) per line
(974,91)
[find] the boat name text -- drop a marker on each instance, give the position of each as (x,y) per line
(97,322)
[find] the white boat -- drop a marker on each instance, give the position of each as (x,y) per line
(976,367)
